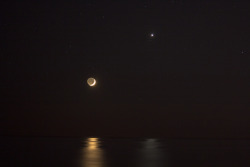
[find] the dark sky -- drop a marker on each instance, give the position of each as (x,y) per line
(190,80)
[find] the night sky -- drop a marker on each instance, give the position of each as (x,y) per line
(191,80)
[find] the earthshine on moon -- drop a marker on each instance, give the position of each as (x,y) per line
(91,81)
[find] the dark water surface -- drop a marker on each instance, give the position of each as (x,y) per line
(132,152)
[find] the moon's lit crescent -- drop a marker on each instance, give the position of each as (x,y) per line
(91,81)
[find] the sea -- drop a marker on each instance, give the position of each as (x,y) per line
(122,152)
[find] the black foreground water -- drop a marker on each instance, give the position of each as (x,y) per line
(119,152)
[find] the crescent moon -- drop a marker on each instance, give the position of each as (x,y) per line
(93,84)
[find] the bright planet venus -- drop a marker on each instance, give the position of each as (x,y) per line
(91,81)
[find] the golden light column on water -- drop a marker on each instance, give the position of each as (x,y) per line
(92,143)
(92,153)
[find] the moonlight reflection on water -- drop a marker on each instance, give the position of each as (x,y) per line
(92,153)
(145,154)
